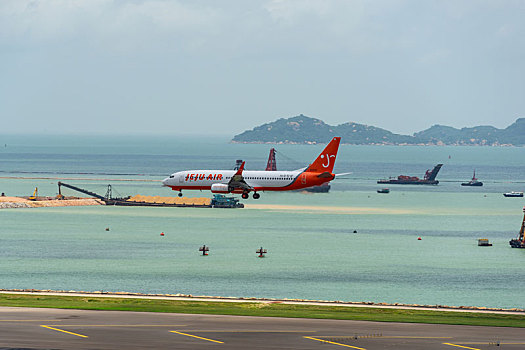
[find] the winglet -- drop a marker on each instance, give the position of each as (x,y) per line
(326,160)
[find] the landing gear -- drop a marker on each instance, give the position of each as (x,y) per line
(180,194)
(245,195)
(256,195)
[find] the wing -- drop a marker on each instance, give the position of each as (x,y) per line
(237,180)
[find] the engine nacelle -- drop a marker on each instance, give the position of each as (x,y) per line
(219,188)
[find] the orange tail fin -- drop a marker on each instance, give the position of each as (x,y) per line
(326,160)
(241,168)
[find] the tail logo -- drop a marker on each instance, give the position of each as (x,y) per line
(327,158)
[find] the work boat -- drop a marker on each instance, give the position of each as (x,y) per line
(473,182)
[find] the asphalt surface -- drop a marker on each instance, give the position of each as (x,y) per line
(30,328)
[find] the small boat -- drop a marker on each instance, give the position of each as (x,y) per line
(513,194)
(473,182)
(383,190)
(484,242)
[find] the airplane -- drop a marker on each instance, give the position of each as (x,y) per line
(246,181)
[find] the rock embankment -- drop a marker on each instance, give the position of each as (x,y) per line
(17,202)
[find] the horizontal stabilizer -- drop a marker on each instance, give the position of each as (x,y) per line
(342,174)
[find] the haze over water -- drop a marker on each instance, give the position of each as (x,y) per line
(313,252)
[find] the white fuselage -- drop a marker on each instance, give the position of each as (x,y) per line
(204,179)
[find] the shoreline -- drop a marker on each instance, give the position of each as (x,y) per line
(430,144)
(191,297)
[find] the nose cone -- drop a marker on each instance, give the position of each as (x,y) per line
(165,181)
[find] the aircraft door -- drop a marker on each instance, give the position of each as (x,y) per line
(303,179)
(181,178)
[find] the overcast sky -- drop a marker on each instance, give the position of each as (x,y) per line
(220,67)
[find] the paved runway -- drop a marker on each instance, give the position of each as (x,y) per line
(31,328)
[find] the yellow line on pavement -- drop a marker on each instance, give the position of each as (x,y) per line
(461,346)
(333,342)
(63,331)
(194,336)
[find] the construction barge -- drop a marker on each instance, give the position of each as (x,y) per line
(429,179)
(218,201)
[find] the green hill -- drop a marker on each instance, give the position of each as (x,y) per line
(303,129)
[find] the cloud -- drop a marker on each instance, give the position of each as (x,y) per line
(106,22)
(290,11)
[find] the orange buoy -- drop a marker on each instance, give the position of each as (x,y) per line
(419,238)
(162,233)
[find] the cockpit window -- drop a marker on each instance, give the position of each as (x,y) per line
(171,176)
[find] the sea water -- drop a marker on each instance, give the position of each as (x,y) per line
(350,244)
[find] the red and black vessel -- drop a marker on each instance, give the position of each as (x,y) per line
(429,179)
(520,241)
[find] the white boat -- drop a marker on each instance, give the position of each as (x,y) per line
(513,194)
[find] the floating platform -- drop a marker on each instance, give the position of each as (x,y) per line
(218,201)
(157,201)
(516,243)
(429,179)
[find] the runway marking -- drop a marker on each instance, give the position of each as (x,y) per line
(194,336)
(63,331)
(333,342)
(461,346)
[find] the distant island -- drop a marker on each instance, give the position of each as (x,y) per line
(307,130)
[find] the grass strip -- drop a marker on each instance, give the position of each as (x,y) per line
(263,309)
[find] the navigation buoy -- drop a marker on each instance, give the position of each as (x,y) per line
(204,250)
(261,252)
(419,238)
(162,233)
